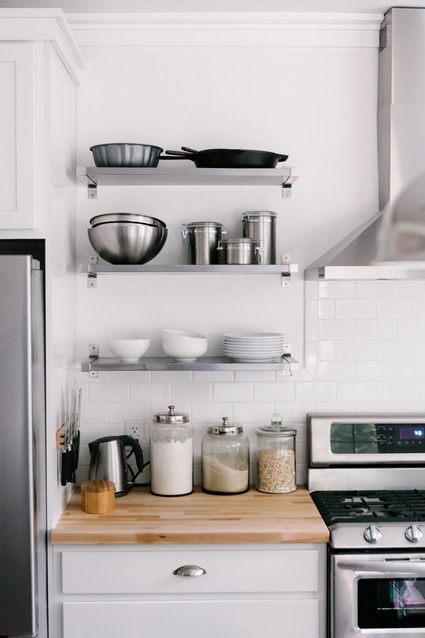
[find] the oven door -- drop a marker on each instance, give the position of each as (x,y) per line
(377,595)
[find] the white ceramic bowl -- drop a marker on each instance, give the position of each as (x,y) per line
(129,350)
(185,350)
(181,336)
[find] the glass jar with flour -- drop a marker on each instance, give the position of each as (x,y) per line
(225,459)
(171,454)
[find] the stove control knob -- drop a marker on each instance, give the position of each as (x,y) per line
(372,534)
(413,533)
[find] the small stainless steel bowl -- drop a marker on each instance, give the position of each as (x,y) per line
(126,155)
(126,217)
(126,242)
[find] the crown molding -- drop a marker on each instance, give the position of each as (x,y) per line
(43,25)
(226,29)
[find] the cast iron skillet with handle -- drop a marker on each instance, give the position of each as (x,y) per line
(227,158)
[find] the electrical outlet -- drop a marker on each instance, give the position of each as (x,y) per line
(134,429)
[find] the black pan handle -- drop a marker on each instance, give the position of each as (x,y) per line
(185,154)
(189,150)
(282,158)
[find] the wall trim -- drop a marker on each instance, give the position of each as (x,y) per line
(226,29)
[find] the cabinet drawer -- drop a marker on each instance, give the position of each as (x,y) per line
(186,619)
(139,572)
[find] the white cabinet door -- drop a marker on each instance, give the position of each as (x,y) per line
(17,136)
(253,618)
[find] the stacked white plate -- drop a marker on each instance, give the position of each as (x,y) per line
(253,347)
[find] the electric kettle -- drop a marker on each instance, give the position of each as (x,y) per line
(108,461)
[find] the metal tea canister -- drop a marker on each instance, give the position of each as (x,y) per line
(261,225)
(203,239)
(171,454)
(225,459)
(276,458)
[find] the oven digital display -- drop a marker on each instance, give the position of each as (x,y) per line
(385,603)
(411,432)
(377,438)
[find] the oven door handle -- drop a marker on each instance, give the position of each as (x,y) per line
(399,567)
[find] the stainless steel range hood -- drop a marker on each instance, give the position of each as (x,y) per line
(391,244)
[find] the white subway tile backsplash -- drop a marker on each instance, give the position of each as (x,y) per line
(411,289)
(337,370)
(311,289)
(356,350)
(211,413)
(327,350)
(311,314)
(376,370)
(213,376)
(411,370)
(337,289)
(397,391)
(411,329)
(130,377)
(158,392)
(355,308)
(326,308)
(336,407)
(376,329)
(337,329)
(398,349)
(356,391)
(120,412)
(376,289)
(396,308)
(315,391)
(364,353)
(174,376)
(94,413)
(253,375)
(233,392)
(274,392)
(109,393)
(191,392)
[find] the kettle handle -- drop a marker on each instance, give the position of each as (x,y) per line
(129,441)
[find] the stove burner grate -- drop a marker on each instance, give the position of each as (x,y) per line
(370,506)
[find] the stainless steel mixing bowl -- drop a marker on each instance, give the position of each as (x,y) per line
(126,217)
(127,242)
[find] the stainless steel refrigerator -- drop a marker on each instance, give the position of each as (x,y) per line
(23,528)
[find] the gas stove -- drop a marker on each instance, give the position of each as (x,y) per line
(366,477)
(384,518)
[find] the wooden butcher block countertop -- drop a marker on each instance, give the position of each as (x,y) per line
(140,517)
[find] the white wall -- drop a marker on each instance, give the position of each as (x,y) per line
(308,90)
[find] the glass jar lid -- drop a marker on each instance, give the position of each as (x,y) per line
(225,428)
(171,416)
(276,428)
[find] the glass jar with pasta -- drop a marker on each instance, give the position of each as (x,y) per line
(276,458)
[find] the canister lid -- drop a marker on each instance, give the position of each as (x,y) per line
(204,225)
(259,215)
(225,428)
(276,428)
(171,416)
(240,240)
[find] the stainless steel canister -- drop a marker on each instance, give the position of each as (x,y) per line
(261,225)
(243,250)
(202,239)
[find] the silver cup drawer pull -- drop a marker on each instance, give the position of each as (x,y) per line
(189,570)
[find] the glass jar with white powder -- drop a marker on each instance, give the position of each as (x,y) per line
(225,459)
(171,454)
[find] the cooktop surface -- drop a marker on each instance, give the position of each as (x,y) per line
(372,506)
